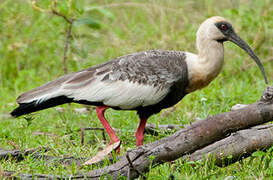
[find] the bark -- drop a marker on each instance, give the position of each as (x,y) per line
(19,155)
(194,139)
(237,146)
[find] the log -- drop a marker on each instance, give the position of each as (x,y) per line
(237,146)
(200,134)
(196,137)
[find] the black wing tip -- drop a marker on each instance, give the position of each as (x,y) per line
(23,109)
(27,108)
(14,113)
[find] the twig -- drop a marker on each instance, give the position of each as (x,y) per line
(67,45)
(70,21)
(82,136)
(91,128)
(44,133)
(34,6)
(13,144)
(17,154)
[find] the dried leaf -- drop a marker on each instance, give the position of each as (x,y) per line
(102,154)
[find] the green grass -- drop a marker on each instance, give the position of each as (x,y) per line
(31,48)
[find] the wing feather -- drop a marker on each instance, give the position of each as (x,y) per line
(139,79)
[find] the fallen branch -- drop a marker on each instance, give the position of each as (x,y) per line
(199,138)
(237,146)
(93,129)
(19,155)
(186,141)
(35,176)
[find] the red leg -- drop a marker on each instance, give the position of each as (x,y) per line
(100,112)
(140,132)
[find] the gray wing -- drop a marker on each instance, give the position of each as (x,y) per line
(155,68)
(138,79)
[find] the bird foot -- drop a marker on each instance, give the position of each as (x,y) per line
(103,153)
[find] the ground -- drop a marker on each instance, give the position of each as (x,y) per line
(32,47)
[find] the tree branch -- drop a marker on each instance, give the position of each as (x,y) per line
(186,141)
(70,22)
(237,146)
(201,138)
(68,35)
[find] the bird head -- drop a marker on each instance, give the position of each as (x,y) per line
(219,29)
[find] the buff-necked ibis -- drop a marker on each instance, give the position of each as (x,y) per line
(147,81)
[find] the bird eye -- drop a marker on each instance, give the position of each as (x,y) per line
(224,27)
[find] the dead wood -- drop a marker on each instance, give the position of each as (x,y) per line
(237,146)
(200,138)
(186,141)
(13,176)
(19,155)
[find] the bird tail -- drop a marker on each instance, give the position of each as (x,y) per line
(43,97)
(26,108)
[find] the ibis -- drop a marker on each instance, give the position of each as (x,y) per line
(146,82)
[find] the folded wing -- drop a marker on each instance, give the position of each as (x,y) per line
(139,79)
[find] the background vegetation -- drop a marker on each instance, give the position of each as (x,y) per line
(32,47)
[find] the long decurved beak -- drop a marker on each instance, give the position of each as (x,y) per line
(233,37)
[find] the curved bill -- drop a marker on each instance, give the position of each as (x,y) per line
(238,41)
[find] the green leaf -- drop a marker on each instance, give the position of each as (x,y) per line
(271,165)
(229,156)
(191,162)
(63,8)
(101,10)
(89,22)
(258,154)
(235,11)
(77,6)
